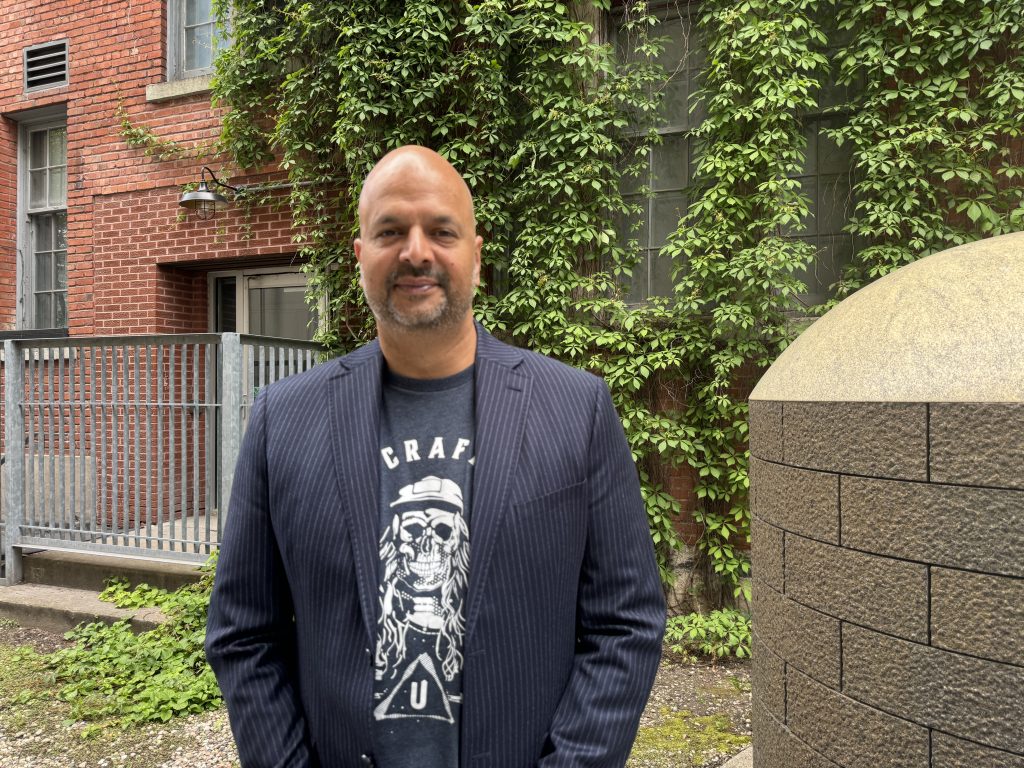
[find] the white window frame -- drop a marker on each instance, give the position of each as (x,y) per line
(268,276)
(176,44)
(37,120)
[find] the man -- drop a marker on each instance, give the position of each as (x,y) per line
(437,552)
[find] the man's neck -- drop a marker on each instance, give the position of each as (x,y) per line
(429,353)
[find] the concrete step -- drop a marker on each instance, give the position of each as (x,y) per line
(79,570)
(58,609)
(744,759)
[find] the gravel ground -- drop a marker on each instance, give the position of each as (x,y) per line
(697,717)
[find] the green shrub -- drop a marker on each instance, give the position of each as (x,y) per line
(717,634)
(114,675)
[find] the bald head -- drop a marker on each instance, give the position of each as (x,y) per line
(418,252)
(412,165)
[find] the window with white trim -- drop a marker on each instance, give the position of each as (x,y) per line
(192,38)
(43,225)
(262,301)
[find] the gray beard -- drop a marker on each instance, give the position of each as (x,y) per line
(450,312)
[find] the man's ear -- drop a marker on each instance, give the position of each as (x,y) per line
(357,248)
(476,256)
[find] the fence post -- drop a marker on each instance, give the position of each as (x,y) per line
(13,478)
(231,383)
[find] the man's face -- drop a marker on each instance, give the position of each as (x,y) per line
(418,251)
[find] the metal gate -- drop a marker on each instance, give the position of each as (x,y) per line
(127,445)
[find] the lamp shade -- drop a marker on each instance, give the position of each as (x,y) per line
(204,202)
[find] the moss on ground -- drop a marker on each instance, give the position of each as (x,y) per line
(683,740)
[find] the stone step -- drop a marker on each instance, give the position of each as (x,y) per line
(80,570)
(744,759)
(58,609)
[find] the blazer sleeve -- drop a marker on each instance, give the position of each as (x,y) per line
(250,639)
(620,611)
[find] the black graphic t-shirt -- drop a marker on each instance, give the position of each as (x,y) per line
(426,465)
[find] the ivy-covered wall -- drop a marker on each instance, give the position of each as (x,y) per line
(545,119)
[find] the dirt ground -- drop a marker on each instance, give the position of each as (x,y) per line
(698,716)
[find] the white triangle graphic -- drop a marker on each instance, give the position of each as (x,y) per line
(389,709)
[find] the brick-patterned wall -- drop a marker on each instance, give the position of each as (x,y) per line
(125,236)
(888,573)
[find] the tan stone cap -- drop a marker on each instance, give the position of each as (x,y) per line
(947,328)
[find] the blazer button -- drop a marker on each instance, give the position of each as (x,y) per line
(366,760)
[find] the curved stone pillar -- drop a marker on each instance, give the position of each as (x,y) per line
(887,493)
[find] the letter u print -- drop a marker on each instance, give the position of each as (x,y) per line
(418,695)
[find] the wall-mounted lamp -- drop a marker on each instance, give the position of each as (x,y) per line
(203,201)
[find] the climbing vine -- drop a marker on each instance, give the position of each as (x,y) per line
(735,259)
(545,120)
(936,126)
(528,103)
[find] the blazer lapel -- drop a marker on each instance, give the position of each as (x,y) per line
(355,416)
(502,397)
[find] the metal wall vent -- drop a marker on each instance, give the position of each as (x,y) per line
(46,65)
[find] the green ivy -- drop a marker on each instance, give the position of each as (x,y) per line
(531,110)
(545,121)
(736,262)
(936,127)
(113,675)
(717,634)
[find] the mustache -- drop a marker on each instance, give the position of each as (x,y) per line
(408,270)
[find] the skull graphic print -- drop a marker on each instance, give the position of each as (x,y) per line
(425,558)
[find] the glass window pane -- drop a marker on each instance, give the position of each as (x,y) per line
(61,260)
(833,253)
(639,284)
(43,231)
(625,225)
(675,106)
(37,149)
(58,187)
(811,133)
(832,158)
(226,317)
(37,189)
(661,275)
(668,210)
(58,145)
(42,313)
(678,43)
(671,163)
(60,230)
(834,202)
(197,12)
(631,184)
(280,312)
(198,47)
(217,43)
(44,271)
(60,301)
(697,108)
(809,188)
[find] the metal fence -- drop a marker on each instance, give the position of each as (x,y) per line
(127,445)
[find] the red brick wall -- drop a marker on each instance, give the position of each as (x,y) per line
(126,239)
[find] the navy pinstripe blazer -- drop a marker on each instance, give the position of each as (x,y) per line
(565,612)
